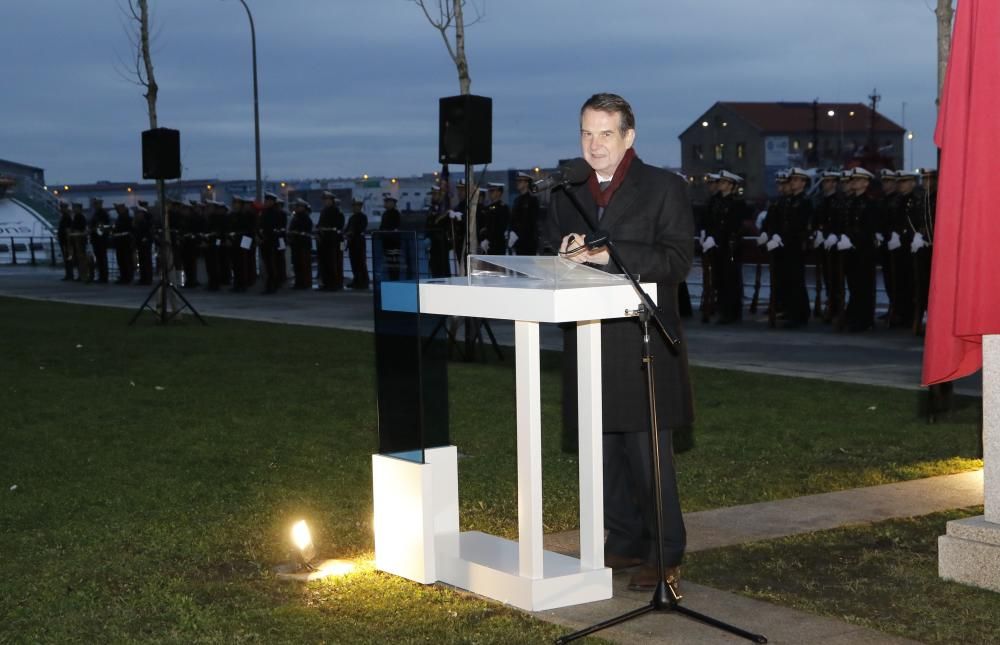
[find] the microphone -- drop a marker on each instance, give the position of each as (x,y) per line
(574,171)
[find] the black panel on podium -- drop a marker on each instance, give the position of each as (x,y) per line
(411,365)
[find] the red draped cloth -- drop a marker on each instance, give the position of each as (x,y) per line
(965,280)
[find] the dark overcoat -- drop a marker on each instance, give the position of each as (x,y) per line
(649,220)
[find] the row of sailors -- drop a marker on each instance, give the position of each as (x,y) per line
(228,239)
(847,224)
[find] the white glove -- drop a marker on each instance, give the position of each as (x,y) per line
(774,243)
(762,239)
(485,246)
(917,243)
(511,239)
(831,239)
(457,215)
(894,242)
(701,237)
(880,238)
(708,244)
(761,216)
(844,243)
(818,240)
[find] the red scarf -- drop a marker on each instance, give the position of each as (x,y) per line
(603,197)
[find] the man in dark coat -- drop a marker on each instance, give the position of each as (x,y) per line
(391,244)
(524,218)
(78,238)
(787,245)
(268,235)
(124,254)
(436,229)
(65,244)
(494,222)
(100,231)
(357,226)
(142,228)
(858,248)
(722,246)
(300,235)
(647,213)
(329,248)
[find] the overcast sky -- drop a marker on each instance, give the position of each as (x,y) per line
(352,87)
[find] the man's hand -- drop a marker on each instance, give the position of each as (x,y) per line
(574,247)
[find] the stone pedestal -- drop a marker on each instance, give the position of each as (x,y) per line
(970,551)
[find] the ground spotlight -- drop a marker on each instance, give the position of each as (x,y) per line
(307,566)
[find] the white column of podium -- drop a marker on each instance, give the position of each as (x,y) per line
(529,449)
(588,377)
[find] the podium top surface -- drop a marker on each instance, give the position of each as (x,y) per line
(535,272)
(530,288)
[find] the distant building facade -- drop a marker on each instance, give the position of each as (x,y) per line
(755,140)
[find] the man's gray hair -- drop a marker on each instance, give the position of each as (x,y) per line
(606,102)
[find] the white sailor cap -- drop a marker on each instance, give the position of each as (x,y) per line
(271,196)
(712,176)
(781,175)
(730,176)
(861,172)
(495,185)
(795,171)
(328,195)
(903,175)
(888,175)
(302,202)
(525,176)
(830,174)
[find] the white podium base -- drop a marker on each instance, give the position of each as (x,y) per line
(489,566)
(970,553)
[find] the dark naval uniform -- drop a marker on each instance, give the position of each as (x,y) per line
(524,223)
(860,226)
(357,226)
(124,251)
(65,243)
(723,222)
(330,248)
(789,258)
(100,230)
(300,232)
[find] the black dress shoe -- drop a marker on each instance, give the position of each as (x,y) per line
(646,579)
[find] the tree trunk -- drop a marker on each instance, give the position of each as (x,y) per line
(461,62)
(151,87)
(944,14)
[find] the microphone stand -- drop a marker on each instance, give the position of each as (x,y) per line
(664,598)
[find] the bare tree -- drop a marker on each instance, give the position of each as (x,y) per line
(945,12)
(142,74)
(449,18)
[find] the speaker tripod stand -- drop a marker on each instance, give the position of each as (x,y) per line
(164,286)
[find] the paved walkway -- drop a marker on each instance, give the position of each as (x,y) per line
(766,521)
(881,357)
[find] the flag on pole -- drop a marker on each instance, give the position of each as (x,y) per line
(964,299)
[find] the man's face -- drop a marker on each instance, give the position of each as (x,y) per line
(796,185)
(522,186)
(858,185)
(889,186)
(602,142)
(829,185)
(495,195)
(906,186)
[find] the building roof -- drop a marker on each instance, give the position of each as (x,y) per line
(17,164)
(781,117)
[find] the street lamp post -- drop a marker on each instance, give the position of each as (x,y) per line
(256,110)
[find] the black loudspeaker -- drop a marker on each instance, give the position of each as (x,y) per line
(161,154)
(465,129)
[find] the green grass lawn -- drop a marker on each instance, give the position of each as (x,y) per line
(157,472)
(882,576)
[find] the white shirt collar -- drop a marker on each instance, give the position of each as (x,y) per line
(602,178)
